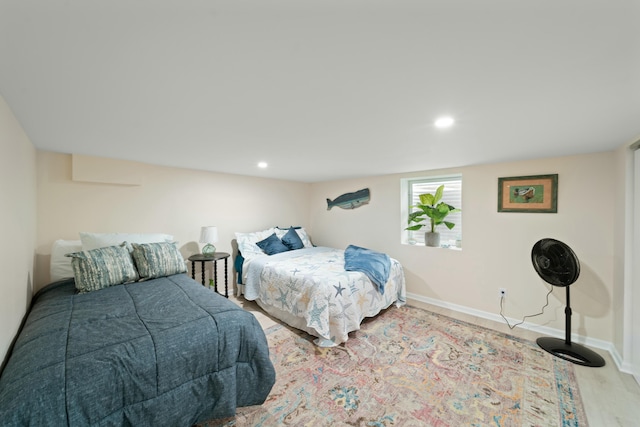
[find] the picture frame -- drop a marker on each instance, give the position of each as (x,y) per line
(530,194)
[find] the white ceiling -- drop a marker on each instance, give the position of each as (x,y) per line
(322,89)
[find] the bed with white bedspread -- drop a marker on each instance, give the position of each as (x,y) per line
(310,289)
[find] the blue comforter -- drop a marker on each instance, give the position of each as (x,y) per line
(375,265)
(165,352)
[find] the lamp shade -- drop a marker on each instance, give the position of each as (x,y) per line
(209,234)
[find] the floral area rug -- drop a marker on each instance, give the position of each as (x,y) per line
(412,367)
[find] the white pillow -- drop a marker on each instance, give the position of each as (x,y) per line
(247,242)
(60,267)
(100,240)
(280,232)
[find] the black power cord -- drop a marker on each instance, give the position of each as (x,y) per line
(525,317)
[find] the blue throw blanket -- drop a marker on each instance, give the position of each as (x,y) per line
(375,265)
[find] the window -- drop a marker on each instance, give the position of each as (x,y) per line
(411,190)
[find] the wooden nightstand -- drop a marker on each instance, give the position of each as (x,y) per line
(215,258)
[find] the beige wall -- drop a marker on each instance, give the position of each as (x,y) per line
(38,193)
(168,200)
(626,291)
(17,224)
(496,246)
(621,215)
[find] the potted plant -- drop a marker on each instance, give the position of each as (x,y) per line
(431,207)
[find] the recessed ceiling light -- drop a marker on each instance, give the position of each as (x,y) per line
(262,165)
(444,122)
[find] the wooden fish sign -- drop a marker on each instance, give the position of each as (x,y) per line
(350,200)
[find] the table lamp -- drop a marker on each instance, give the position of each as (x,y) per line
(209,235)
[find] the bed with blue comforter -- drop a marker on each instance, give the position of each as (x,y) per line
(162,352)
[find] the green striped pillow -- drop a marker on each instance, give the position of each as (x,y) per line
(157,259)
(100,268)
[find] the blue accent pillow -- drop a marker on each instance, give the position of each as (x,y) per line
(272,245)
(291,240)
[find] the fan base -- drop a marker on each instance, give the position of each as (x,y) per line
(575,353)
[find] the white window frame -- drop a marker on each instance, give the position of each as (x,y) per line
(410,190)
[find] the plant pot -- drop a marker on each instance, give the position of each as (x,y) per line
(432,239)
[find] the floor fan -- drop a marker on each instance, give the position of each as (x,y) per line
(558,265)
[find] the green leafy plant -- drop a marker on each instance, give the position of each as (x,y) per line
(431,207)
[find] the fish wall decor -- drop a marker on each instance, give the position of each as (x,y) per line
(350,200)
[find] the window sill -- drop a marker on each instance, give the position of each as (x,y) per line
(451,247)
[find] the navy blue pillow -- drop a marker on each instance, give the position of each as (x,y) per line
(272,245)
(291,240)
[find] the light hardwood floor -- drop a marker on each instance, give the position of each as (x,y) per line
(610,398)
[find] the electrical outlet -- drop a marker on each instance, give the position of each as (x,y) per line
(502,292)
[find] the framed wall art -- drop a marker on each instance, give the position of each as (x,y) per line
(535,194)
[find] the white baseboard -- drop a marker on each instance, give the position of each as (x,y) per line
(544,330)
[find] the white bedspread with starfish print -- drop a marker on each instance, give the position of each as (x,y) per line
(310,290)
